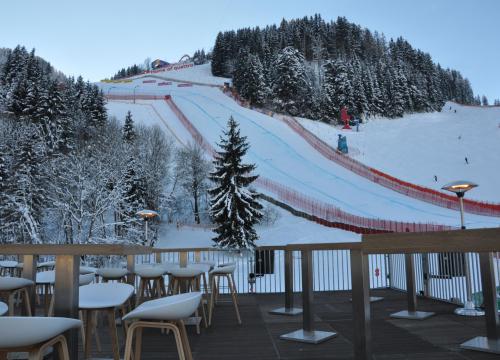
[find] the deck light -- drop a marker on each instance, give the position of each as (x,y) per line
(460,188)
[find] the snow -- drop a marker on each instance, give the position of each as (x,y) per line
(283,156)
(288,229)
(419,146)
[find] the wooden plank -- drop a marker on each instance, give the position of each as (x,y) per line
(473,240)
(73,249)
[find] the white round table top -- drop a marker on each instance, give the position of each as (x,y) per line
(3,308)
(8,263)
(24,331)
(104,295)
(172,307)
(8,283)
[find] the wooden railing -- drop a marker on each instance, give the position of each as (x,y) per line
(482,241)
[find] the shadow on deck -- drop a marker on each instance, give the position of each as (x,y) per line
(438,337)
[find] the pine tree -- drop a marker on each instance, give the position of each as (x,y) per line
(290,86)
(233,207)
(337,89)
(218,58)
(133,194)
(129,134)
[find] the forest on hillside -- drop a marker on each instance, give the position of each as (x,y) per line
(310,67)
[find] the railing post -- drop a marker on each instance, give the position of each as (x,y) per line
(288,309)
(491,342)
(66,295)
(361,305)
(426,274)
(29,272)
(131,269)
(183,259)
(411,313)
(158,257)
(307,334)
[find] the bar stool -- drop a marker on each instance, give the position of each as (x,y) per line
(35,335)
(148,274)
(46,266)
(3,308)
(105,297)
(8,267)
(215,276)
(113,274)
(164,313)
(12,286)
(188,279)
(45,281)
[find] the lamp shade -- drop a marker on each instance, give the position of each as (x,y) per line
(147,214)
(459,187)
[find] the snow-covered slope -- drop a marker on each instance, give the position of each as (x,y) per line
(285,157)
(420,146)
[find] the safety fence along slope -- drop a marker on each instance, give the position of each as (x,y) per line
(315,210)
(403,187)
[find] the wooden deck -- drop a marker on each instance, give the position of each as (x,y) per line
(258,338)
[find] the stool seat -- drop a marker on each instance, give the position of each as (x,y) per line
(227,269)
(87,270)
(205,267)
(49,278)
(173,307)
(8,283)
(8,263)
(188,272)
(112,273)
(3,308)
(46,264)
(150,271)
(86,279)
(18,332)
(104,295)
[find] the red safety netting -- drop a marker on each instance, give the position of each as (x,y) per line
(409,189)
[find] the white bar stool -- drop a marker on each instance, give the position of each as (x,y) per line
(8,267)
(215,275)
(113,274)
(164,313)
(150,273)
(3,308)
(35,335)
(105,297)
(11,286)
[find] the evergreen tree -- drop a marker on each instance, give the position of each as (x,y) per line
(337,89)
(218,58)
(290,86)
(128,129)
(233,207)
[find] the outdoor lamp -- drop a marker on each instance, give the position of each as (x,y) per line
(147,215)
(460,188)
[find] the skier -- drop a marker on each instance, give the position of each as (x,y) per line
(466,160)
(459,137)
(435,178)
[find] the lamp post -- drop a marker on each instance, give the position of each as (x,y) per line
(460,188)
(135,87)
(147,215)
(109,89)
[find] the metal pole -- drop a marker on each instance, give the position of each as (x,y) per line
(461,201)
(490,343)
(361,305)
(66,296)
(307,291)
(307,334)
(146,221)
(411,294)
(288,309)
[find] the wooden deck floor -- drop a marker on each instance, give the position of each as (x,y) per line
(258,338)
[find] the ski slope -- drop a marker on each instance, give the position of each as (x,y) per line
(420,146)
(285,157)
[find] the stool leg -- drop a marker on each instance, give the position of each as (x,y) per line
(139,293)
(233,295)
(11,303)
(88,333)
(62,348)
(114,335)
(27,301)
(211,303)
(185,340)
(128,343)
(138,344)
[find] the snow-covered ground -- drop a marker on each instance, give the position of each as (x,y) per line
(420,146)
(288,229)
(283,156)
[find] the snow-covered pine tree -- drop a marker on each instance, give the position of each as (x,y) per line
(290,85)
(129,134)
(218,59)
(254,88)
(337,89)
(233,206)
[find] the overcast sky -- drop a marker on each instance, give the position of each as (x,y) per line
(96,38)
